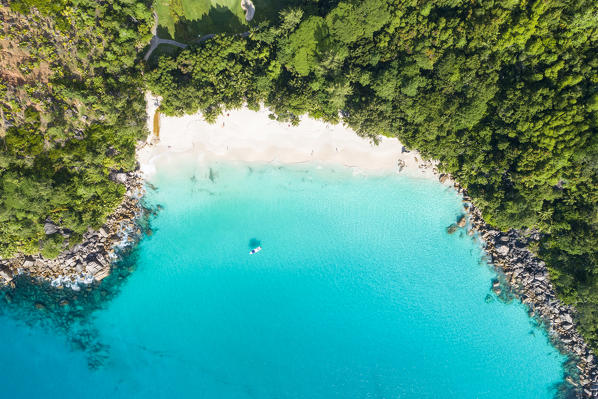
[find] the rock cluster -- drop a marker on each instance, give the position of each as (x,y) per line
(91,260)
(525,277)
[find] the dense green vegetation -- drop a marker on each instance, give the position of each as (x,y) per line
(71,111)
(504,94)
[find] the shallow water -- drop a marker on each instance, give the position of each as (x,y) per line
(359,292)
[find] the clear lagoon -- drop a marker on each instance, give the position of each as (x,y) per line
(359,292)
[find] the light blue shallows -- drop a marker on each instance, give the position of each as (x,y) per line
(359,292)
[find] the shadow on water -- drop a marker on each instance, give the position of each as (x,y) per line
(212,175)
(66,311)
(254,242)
(564,389)
(69,312)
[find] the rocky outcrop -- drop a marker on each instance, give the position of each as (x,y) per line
(50,228)
(248,8)
(525,277)
(461,222)
(91,260)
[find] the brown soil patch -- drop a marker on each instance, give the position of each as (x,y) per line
(11,57)
(14,54)
(157,123)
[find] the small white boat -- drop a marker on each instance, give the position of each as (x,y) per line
(255,250)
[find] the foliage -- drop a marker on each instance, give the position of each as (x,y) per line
(71,112)
(503,94)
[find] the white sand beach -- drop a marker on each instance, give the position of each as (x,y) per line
(252,137)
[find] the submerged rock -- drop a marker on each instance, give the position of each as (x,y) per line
(496,287)
(452,228)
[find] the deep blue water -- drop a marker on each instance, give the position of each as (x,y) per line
(359,292)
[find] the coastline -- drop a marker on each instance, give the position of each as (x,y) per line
(247,136)
(523,276)
(90,260)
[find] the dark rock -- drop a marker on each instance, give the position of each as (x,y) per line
(462,221)
(401,164)
(50,228)
(452,228)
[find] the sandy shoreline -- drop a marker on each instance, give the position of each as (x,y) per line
(252,137)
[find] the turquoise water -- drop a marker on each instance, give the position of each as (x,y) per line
(359,292)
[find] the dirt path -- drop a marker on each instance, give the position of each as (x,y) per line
(247,6)
(156,41)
